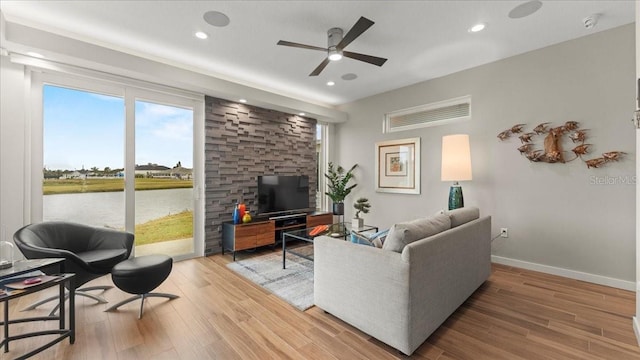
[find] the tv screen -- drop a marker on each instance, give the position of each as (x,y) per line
(282,194)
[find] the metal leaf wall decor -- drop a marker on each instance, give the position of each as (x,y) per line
(552,138)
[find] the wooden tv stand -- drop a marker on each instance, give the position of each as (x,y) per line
(267,231)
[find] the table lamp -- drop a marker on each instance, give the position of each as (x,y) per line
(456,166)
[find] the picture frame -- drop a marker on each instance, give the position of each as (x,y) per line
(398,166)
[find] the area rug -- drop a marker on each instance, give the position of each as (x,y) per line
(293,284)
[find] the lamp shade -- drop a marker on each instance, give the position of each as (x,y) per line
(456,158)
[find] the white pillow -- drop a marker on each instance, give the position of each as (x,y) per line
(405,233)
(463,215)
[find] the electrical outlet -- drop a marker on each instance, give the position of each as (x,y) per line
(504,232)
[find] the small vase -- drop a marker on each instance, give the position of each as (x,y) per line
(246,218)
(357,223)
(236,214)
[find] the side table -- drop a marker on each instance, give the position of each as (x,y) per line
(24,266)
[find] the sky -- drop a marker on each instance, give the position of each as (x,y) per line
(86,130)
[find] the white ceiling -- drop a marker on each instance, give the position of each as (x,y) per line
(421,39)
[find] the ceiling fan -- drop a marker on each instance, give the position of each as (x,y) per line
(337,43)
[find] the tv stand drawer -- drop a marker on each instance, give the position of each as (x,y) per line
(245,242)
(237,237)
(319,219)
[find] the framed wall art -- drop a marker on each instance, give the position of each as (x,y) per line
(398,166)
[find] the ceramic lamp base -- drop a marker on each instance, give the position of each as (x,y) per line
(455,197)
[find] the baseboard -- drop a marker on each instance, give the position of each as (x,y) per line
(636,329)
(572,274)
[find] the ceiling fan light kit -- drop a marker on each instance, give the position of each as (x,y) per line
(334,36)
(336,44)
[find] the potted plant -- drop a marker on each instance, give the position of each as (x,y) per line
(339,186)
(362,206)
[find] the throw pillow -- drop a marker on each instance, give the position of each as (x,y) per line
(373,239)
(378,238)
(463,215)
(405,233)
(360,239)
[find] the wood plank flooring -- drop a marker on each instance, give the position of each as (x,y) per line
(517,314)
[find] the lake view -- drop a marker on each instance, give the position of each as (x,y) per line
(107,208)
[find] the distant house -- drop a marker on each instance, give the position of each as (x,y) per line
(153,170)
(161,171)
(182,173)
(74,175)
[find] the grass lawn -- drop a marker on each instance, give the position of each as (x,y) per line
(70,186)
(172,227)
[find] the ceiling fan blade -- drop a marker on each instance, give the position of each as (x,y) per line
(366,58)
(361,26)
(320,67)
(303,46)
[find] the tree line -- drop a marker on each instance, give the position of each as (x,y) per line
(56,174)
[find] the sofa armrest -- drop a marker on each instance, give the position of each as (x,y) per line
(446,269)
(362,285)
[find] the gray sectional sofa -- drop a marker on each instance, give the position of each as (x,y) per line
(402,293)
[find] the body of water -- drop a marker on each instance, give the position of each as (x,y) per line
(107,208)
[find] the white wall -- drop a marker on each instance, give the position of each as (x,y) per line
(12,150)
(636,323)
(558,220)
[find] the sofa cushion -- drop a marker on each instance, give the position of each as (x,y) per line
(463,215)
(405,233)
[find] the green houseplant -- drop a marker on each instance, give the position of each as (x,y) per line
(338,184)
(362,206)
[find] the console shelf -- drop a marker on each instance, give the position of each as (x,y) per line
(263,231)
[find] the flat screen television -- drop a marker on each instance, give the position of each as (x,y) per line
(281,194)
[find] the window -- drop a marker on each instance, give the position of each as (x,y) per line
(119,156)
(322,159)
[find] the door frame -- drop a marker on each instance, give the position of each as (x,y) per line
(34,160)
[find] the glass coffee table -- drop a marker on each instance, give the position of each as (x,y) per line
(339,230)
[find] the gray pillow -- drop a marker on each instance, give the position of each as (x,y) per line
(405,233)
(463,215)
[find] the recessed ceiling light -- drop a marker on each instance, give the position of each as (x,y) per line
(477,28)
(525,9)
(216,18)
(35,54)
(349,76)
(330,83)
(243,100)
(201,35)
(302,114)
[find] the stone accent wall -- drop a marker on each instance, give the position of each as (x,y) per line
(243,142)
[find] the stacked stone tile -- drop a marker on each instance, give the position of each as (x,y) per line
(243,142)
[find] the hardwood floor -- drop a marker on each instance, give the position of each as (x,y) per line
(517,314)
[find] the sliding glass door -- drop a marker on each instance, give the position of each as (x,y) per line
(163,179)
(119,157)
